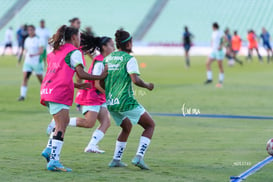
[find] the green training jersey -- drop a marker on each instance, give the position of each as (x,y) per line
(118,84)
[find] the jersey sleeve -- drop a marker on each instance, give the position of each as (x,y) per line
(98,68)
(132,66)
(76,59)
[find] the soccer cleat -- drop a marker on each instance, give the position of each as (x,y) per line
(46,154)
(208,82)
(139,162)
(21,98)
(50,127)
(117,163)
(93,149)
(57,166)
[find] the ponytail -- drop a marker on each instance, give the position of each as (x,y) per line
(89,43)
(122,39)
(63,34)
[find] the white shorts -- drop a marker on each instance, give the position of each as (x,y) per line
(54,107)
(38,68)
(95,108)
(218,55)
(133,115)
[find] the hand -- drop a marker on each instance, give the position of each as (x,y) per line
(85,86)
(150,86)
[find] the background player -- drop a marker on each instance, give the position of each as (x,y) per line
(187,43)
(253,44)
(217,53)
(44,34)
(266,43)
(236,43)
(33,48)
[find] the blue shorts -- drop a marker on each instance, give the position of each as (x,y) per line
(54,107)
(95,108)
(187,47)
(218,55)
(267,45)
(133,115)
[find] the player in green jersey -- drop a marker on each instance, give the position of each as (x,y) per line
(122,105)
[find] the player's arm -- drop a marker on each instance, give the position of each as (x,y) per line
(97,70)
(132,69)
(139,82)
(83,75)
(82,85)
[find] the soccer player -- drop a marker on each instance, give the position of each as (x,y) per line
(57,90)
(236,43)
(253,44)
(93,100)
(217,53)
(227,42)
(266,43)
(34,48)
(8,40)
(44,34)
(123,107)
(187,42)
(75,22)
(22,34)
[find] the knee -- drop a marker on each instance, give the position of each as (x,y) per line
(127,128)
(89,124)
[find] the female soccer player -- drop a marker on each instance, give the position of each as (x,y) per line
(93,100)
(266,43)
(236,43)
(253,44)
(57,89)
(187,42)
(124,108)
(34,48)
(216,54)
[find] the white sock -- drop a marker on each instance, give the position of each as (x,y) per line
(143,145)
(23,91)
(49,143)
(209,75)
(120,147)
(73,122)
(221,77)
(96,137)
(56,149)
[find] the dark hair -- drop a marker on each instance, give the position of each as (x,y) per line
(235,32)
(31,26)
(73,19)
(122,39)
(89,43)
(186,29)
(215,25)
(64,33)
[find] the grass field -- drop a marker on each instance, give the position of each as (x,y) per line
(183,148)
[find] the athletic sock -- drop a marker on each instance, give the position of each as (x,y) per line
(120,147)
(143,145)
(209,75)
(23,91)
(96,137)
(73,122)
(49,143)
(221,77)
(56,149)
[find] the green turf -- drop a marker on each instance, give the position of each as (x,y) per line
(183,149)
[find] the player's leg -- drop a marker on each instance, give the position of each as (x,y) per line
(98,134)
(221,73)
(208,66)
(236,58)
(187,49)
(61,119)
(249,56)
(23,89)
(258,53)
(121,142)
(148,124)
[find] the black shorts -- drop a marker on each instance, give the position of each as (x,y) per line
(8,45)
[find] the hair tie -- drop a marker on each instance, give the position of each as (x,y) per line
(126,39)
